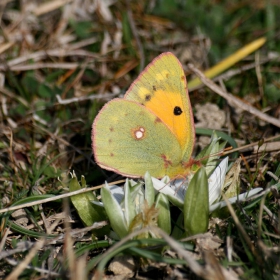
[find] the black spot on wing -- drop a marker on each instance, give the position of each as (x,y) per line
(177,111)
(148,97)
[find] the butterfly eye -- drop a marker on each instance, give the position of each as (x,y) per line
(177,111)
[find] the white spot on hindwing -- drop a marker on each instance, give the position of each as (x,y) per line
(138,133)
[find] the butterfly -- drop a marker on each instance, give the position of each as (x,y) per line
(151,128)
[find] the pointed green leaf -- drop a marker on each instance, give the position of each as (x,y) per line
(164,219)
(163,186)
(209,154)
(83,205)
(114,212)
(138,195)
(136,191)
(149,189)
(135,188)
(129,205)
(196,205)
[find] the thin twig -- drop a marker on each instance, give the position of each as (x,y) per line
(251,145)
(70,51)
(35,66)
(75,233)
(57,197)
(232,100)
(233,72)
(41,270)
(21,247)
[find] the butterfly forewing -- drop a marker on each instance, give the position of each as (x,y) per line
(162,88)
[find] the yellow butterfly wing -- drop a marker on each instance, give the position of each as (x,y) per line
(162,88)
(129,139)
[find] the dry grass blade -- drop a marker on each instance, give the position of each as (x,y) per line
(242,230)
(21,266)
(50,6)
(5,46)
(3,240)
(213,269)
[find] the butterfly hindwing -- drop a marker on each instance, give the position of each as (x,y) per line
(129,139)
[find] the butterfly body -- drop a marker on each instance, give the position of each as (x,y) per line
(151,128)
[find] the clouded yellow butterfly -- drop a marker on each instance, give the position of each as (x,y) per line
(151,128)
